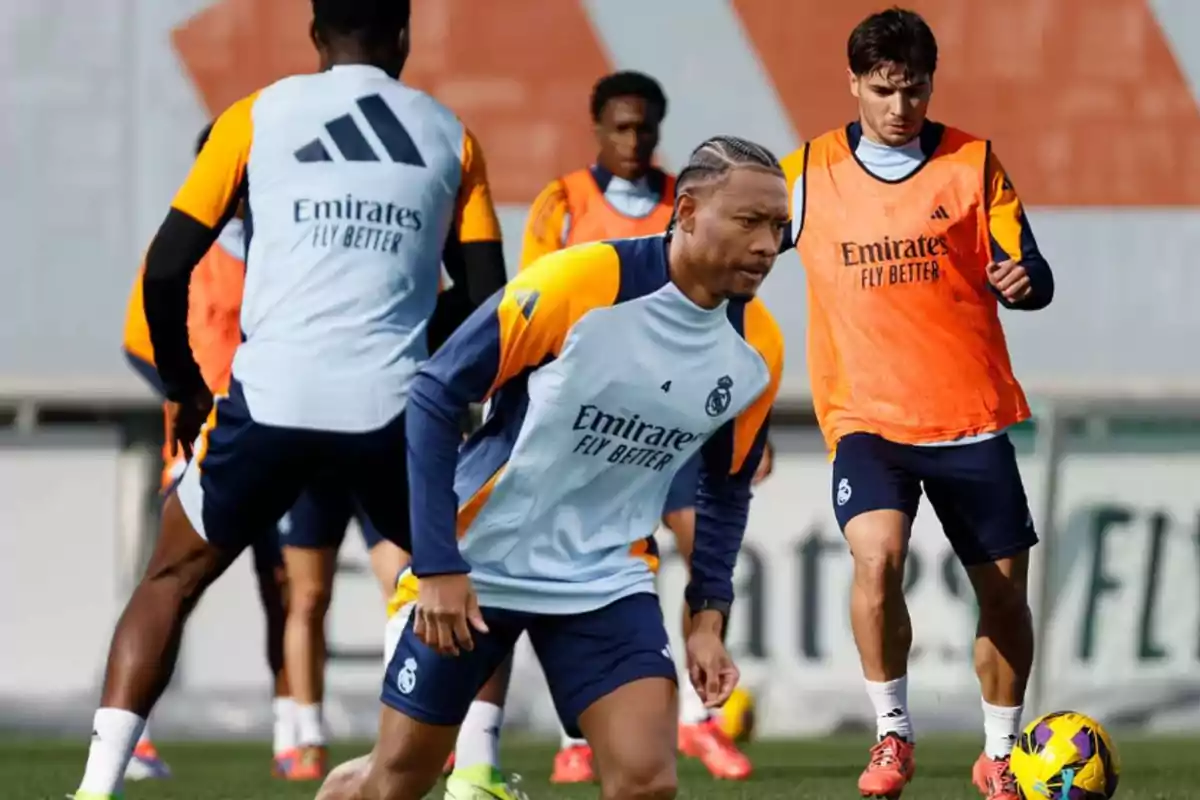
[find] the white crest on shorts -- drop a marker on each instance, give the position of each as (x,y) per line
(666,651)
(843,492)
(406,678)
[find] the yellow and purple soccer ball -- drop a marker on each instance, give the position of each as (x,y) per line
(1065,756)
(737,715)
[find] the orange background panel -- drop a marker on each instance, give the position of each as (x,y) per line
(1083,98)
(519,72)
(235,47)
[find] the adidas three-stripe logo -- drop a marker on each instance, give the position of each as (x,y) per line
(353,144)
(939,213)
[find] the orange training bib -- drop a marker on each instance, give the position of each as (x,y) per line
(592,217)
(904,336)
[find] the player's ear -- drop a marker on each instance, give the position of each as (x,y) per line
(685,212)
(853,82)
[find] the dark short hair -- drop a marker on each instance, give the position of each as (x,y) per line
(202,139)
(895,36)
(627,84)
(371,20)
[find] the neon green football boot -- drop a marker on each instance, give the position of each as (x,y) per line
(482,782)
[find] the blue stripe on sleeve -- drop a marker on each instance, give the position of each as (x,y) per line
(722,508)
(460,373)
(1041,279)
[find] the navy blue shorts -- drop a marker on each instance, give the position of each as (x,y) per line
(584,656)
(246,475)
(975,490)
(268,555)
(319,520)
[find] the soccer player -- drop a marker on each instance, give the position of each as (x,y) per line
(912,236)
(311,534)
(215,299)
(607,366)
(623,195)
(358,188)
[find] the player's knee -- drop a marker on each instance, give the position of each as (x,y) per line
(641,779)
(879,545)
(398,775)
(635,787)
(1006,604)
(879,566)
(346,780)
(309,600)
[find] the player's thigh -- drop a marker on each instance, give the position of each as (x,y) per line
(634,734)
(244,476)
(433,689)
(376,469)
(875,498)
(977,493)
(589,656)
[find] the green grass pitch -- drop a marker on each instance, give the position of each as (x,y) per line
(818,769)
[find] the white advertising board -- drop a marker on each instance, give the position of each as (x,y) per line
(1122,639)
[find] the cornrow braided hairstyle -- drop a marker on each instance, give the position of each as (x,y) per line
(715,158)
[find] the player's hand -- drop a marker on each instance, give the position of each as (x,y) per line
(447,610)
(710,666)
(1010,279)
(184,421)
(765,466)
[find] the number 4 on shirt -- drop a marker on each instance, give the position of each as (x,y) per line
(666,387)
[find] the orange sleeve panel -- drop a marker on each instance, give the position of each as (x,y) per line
(1006,215)
(1011,236)
(793,170)
(544,228)
(475,216)
(541,305)
(763,334)
(212,187)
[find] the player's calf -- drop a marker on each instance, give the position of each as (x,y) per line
(145,645)
(1003,659)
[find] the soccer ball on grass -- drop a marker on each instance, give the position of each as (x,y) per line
(1065,756)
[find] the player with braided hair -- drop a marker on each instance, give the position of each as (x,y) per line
(613,366)
(621,195)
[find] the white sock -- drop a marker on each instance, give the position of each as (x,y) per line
(890,700)
(284,709)
(691,707)
(479,737)
(114,734)
(1001,726)
(309,727)
(567,741)
(145,737)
